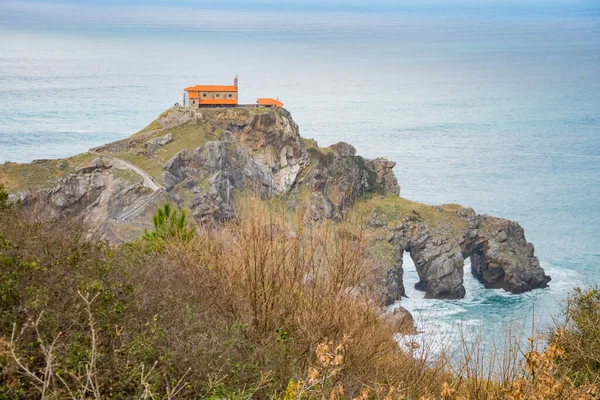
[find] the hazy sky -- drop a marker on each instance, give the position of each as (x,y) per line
(336,4)
(181,15)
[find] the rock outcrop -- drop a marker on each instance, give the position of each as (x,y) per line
(200,161)
(500,256)
(264,153)
(400,319)
(153,145)
(91,195)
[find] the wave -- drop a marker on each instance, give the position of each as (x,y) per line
(580,155)
(547,154)
(485,317)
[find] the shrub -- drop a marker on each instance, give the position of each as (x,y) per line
(168,224)
(237,311)
(579,337)
(271,305)
(4,202)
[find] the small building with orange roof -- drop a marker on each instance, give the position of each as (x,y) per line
(221,96)
(269,102)
(212,95)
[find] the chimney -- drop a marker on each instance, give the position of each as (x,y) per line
(235,81)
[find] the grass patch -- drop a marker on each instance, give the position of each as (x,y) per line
(152,126)
(40,174)
(308,143)
(188,137)
(126,175)
(324,155)
(396,208)
(260,110)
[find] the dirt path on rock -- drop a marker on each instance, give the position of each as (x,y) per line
(149,182)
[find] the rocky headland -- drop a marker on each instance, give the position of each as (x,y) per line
(200,160)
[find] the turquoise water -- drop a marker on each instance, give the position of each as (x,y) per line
(497,109)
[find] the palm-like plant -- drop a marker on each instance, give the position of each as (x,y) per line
(169,223)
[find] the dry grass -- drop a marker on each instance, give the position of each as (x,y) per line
(240,309)
(292,287)
(271,305)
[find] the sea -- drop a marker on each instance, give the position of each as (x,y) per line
(493,105)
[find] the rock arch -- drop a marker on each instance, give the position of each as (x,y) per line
(500,256)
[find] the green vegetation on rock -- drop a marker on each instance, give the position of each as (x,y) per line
(188,137)
(395,208)
(40,173)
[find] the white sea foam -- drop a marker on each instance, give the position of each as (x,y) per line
(485,317)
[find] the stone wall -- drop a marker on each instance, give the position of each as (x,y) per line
(218,95)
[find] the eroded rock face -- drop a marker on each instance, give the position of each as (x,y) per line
(385,174)
(92,195)
(437,258)
(264,153)
(500,256)
(394,283)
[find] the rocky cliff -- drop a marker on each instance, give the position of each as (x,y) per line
(199,160)
(500,256)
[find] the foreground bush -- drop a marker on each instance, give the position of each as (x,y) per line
(237,311)
(264,307)
(579,337)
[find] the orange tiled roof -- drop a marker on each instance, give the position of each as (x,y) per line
(193,94)
(267,101)
(212,88)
